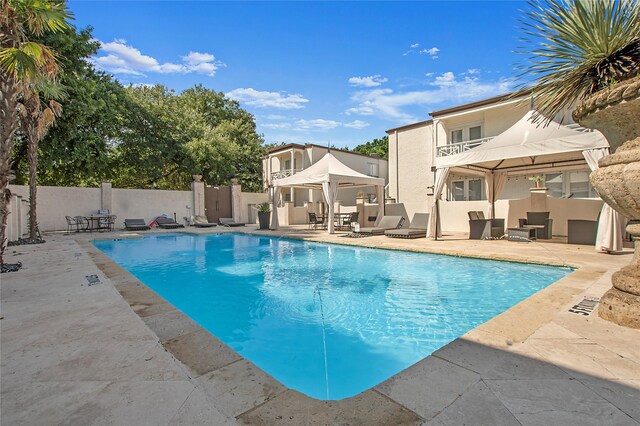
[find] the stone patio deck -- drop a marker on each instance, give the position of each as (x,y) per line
(117,353)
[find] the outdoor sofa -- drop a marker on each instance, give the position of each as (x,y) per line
(417,228)
(386,223)
(135,225)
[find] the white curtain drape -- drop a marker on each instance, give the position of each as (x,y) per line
(330,192)
(380,197)
(438,186)
(611,225)
(275,197)
(495,184)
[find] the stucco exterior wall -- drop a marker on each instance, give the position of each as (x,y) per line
(248,204)
(148,204)
(410,161)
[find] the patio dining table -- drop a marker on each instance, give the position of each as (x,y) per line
(96,222)
(340,218)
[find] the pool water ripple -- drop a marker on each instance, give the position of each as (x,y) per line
(381,311)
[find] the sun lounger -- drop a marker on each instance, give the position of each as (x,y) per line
(417,228)
(135,225)
(386,223)
(227,221)
(202,222)
(166,223)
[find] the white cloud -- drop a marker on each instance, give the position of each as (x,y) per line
(317,124)
(371,81)
(445,88)
(472,71)
(415,45)
(122,58)
(264,99)
(356,124)
(433,52)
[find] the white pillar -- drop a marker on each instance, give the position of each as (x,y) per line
(106,197)
(197,201)
(236,208)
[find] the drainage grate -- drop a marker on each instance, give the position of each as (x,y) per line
(586,307)
(93,280)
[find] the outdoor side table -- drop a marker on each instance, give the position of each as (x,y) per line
(521,234)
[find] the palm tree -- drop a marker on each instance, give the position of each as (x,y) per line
(36,119)
(22,61)
(576,48)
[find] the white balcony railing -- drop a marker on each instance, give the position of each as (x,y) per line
(458,147)
(284,173)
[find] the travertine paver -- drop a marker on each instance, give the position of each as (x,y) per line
(73,354)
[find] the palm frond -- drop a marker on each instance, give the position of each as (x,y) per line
(40,16)
(28,60)
(575,48)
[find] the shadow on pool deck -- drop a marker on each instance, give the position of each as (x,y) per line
(74,354)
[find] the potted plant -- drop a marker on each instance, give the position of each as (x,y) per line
(538,180)
(264,215)
(588,53)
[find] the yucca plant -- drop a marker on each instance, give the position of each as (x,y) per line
(575,48)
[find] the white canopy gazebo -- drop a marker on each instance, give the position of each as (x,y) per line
(529,146)
(327,175)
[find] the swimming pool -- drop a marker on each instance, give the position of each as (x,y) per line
(327,320)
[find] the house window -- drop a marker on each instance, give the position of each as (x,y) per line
(466,190)
(373,169)
(475,189)
(570,184)
(475,133)
(457,190)
(456,136)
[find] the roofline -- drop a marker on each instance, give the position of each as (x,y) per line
(308,145)
(483,102)
(408,126)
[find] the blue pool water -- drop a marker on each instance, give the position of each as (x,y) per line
(327,320)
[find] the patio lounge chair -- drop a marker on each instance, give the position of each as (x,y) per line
(166,223)
(541,222)
(386,223)
(484,229)
(227,221)
(417,228)
(135,225)
(202,222)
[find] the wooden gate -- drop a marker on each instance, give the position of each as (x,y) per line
(217,202)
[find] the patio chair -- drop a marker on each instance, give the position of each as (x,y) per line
(541,222)
(314,220)
(227,221)
(386,223)
(82,223)
(135,225)
(202,222)
(417,228)
(108,222)
(167,223)
(71,224)
(484,229)
(348,220)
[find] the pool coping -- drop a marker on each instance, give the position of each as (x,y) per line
(190,344)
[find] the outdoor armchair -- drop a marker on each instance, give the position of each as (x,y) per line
(541,222)
(484,229)
(314,220)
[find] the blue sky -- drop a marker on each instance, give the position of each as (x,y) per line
(326,72)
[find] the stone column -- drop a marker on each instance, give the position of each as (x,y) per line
(539,200)
(360,208)
(236,200)
(106,197)
(197,201)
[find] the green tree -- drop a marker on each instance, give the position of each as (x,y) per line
(21,61)
(376,146)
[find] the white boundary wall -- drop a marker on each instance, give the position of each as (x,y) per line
(56,202)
